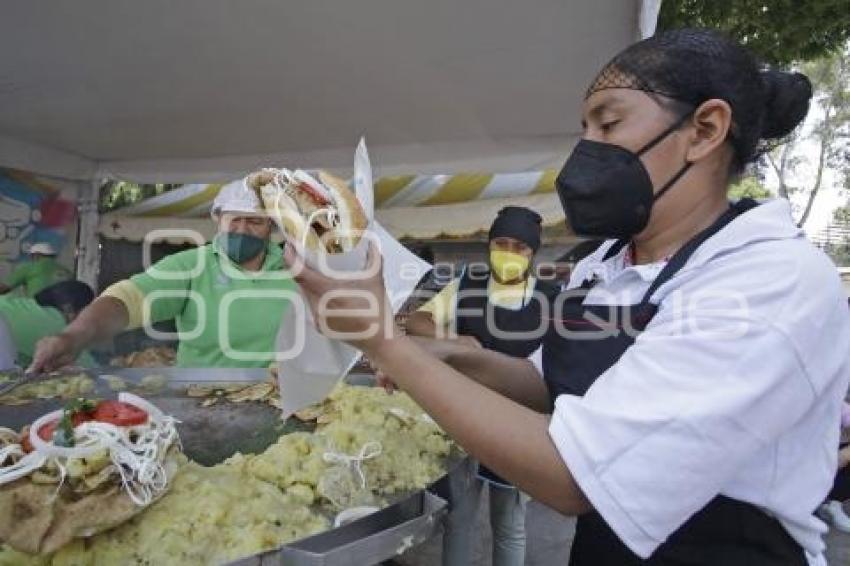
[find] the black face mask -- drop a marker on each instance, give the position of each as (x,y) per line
(605,189)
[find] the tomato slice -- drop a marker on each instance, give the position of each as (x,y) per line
(46,432)
(314,195)
(119,413)
(79,418)
(47,429)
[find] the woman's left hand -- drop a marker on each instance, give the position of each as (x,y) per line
(352,309)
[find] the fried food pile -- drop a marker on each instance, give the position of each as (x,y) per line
(264,392)
(153,357)
(63,387)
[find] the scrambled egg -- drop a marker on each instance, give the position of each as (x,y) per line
(253,503)
(413,447)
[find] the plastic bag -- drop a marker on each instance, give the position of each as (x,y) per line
(344,482)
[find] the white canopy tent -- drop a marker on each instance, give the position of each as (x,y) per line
(202,91)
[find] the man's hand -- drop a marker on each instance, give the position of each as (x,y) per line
(53,353)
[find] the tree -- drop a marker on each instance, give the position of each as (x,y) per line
(783,160)
(749,187)
(122,193)
(842,215)
(779,31)
(830,133)
(835,240)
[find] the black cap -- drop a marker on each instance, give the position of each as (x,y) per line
(66,295)
(520,223)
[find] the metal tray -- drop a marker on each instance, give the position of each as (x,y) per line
(380,536)
(212,434)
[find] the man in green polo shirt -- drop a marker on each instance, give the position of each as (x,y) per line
(24,321)
(42,270)
(227,298)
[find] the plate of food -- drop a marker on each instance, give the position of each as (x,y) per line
(81,470)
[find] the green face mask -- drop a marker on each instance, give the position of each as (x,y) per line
(240,247)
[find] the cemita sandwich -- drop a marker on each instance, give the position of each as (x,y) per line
(82,470)
(323,213)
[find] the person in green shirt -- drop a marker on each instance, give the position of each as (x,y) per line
(24,320)
(42,270)
(226,298)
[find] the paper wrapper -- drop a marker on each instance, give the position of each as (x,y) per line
(320,363)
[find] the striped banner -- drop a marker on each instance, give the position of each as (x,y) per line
(427,190)
(390,192)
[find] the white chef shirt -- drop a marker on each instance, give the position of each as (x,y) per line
(734,388)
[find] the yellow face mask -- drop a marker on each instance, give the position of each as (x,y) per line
(508,266)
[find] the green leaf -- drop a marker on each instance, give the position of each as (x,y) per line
(64,433)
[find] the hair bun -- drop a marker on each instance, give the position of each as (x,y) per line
(786,102)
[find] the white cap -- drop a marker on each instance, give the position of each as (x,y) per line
(237,197)
(42,248)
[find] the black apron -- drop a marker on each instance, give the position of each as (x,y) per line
(472,311)
(475,316)
(725,532)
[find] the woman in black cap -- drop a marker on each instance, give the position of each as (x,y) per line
(695,369)
(500,308)
(513,239)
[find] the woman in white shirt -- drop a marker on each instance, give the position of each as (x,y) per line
(695,369)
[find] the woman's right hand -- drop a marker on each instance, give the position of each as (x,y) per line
(53,353)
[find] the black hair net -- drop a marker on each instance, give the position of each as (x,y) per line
(692,66)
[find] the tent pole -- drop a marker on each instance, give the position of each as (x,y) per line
(88,250)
